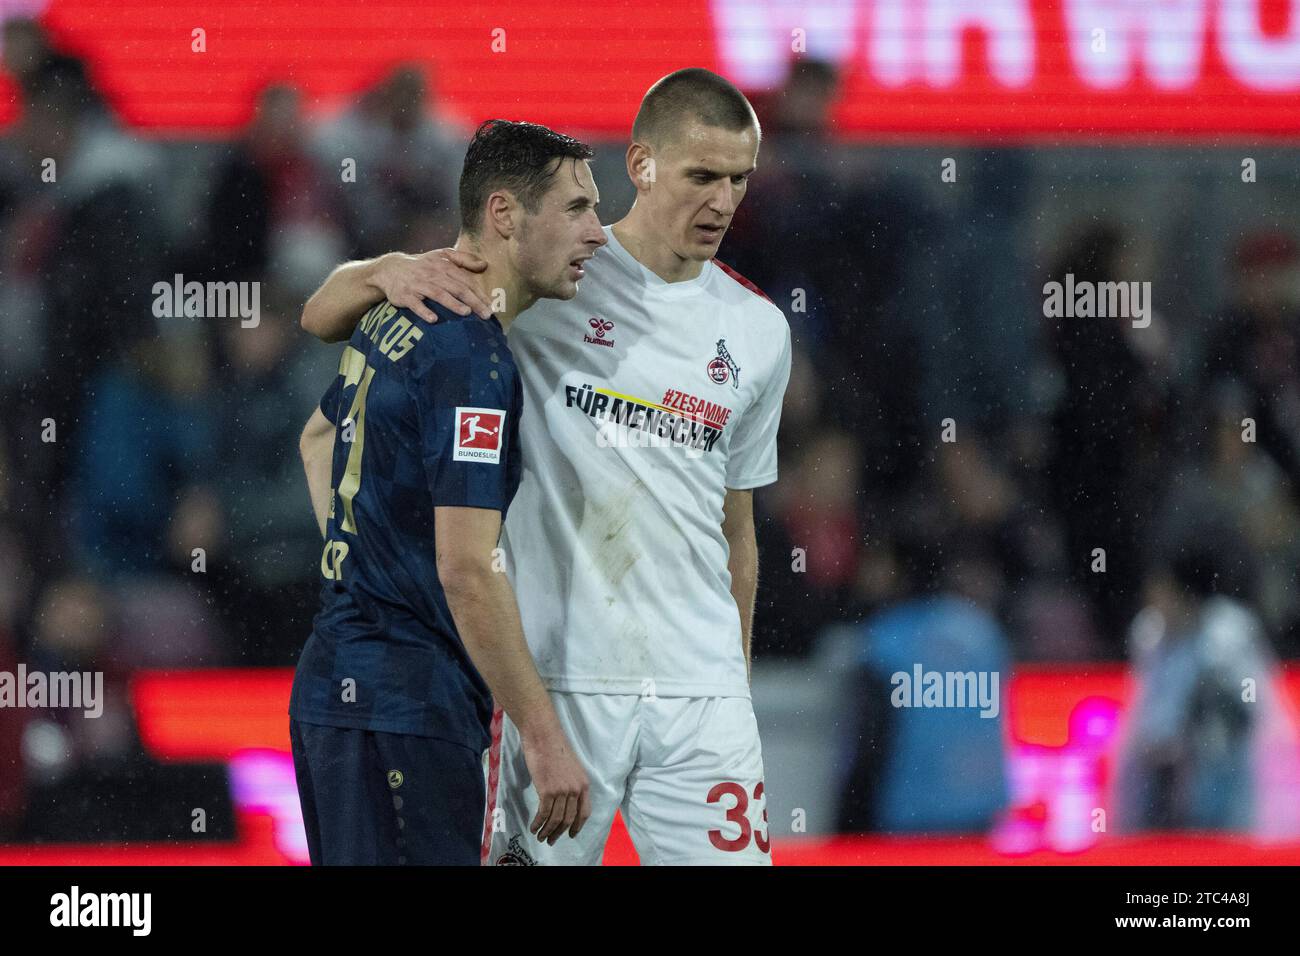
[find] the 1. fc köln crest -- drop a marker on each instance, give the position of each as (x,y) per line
(478,434)
(723,368)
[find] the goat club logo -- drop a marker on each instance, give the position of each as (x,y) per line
(723,367)
(478,434)
(601,327)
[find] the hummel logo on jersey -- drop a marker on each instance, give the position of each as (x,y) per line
(478,434)
(600,327)
(724,367)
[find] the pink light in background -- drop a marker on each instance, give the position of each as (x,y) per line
(262,781)
(1054,790)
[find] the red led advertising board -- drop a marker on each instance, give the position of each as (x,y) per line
(972,69)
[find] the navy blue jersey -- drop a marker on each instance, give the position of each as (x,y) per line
(426,415)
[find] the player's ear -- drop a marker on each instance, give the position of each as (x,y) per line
(640,166)
(502,214)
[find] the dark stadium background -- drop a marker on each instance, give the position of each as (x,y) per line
(915,297)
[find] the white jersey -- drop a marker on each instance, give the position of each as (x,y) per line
(643,402)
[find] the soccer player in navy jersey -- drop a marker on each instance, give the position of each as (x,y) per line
(412,460)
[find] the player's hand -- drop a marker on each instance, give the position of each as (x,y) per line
(443,275)
(563,791)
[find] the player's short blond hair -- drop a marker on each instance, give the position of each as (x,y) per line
(692,93)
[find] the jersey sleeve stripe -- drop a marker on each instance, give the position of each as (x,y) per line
(741,279)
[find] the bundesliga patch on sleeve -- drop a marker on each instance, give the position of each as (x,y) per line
(478,434)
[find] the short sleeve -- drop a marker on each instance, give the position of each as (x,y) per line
(469,426)
(751,462)
(329,403)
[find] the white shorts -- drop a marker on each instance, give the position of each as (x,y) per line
(687,773)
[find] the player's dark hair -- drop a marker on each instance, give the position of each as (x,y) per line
(519,157)
(692,93)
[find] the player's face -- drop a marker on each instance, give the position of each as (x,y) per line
(554,242)
(700,177)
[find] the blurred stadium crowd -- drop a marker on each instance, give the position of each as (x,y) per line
(171,435)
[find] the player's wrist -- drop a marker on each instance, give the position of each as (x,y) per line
(376,275)
(539,727)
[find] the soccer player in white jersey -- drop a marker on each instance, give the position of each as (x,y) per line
(651,406)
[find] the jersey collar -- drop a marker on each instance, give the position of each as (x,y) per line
(652,281)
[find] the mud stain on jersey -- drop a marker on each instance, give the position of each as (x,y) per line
(604,529)
(607,535)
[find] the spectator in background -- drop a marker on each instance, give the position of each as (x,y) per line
(810,548)
(77,631)
(407,166)
(799,116)
(80,249)
(774,243)
(13,789)
(97,201)
(1049,616)
(15,589)
(963,490)
(73,762)
(29,58)
(1106,466)
(976,323)
(272,206)
(928,770)
(271,380)
(1239,482)
(1207,744)
(830,247)
(25,48)
(145,458)
(833,245)
(88,778)
(1257,343)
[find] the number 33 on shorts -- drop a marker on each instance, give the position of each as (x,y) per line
(736,834)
